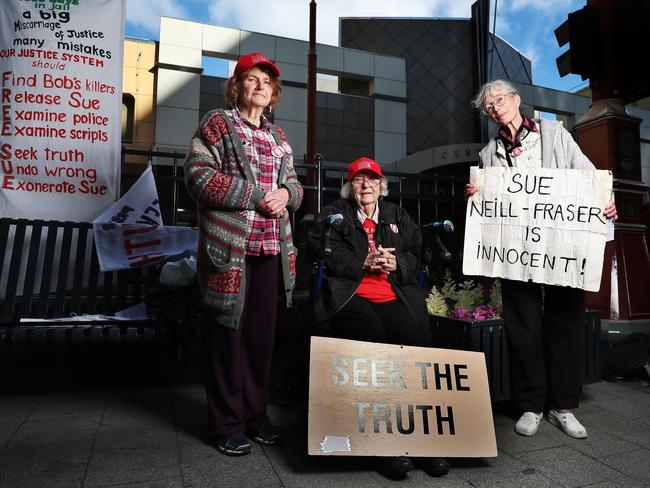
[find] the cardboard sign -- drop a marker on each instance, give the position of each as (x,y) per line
(368,399)
(544,225)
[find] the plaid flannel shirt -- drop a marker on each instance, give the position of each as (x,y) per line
(263,233)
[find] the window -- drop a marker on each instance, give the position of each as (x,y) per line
(128,116)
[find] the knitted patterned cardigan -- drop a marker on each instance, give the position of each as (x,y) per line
(219,178)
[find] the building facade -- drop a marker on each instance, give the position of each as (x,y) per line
(403,90)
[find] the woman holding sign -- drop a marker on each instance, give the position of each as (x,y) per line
(544,323)
(239,168)
(371,250)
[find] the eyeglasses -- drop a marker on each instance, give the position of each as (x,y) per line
(497,102)
(359,180)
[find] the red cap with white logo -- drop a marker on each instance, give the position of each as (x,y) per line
(364,164)
(247,61)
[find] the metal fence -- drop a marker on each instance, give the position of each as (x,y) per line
(427,197)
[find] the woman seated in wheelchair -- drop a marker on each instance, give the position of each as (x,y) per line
(370,249)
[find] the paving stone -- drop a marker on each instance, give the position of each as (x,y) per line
(89,403)
(567,466)
(504,470)
(253,470)
(190,410)
(625,407)
(296,469)
(640,396)
(134,437)
(609,387)
(7,430)
(16,408)
(131,465)
(588,405)
(640,438)
(47,482)
(418,478)
(62,463)
(155,437)
(512,443)
(598,444)
(613,424)
(131,406)
(635,464)
(528,479)
(194,445)
(334,479)
(56,429)
(156,412)
(624,483)
(168,483)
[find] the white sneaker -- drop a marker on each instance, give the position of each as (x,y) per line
(528,423)
(568,423)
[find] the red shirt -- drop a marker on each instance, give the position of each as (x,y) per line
(374,287)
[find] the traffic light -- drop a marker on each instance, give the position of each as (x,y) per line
(631,22)
(582,32)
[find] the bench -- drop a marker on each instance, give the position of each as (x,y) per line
(50,279)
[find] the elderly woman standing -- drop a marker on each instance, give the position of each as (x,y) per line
(544,323)
(370,290)
(239,169)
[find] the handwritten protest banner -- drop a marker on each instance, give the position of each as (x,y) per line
(130,233)
(368,399)
(60,101)
(544,225)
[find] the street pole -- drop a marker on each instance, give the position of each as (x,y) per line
(311,93)
(609,135)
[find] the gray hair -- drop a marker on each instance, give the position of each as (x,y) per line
(346,190)
(490,87)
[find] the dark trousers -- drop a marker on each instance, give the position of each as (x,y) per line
(239,360)
(388,323)
(546,337)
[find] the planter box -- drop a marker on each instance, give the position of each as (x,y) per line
(488,336)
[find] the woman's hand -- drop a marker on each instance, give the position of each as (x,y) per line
(387,259)
(470,189)
(610,211)
(370,263)
(274,203)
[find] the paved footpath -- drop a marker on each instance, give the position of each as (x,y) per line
(153,437)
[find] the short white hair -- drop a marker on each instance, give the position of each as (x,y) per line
(491,87)
(346,190)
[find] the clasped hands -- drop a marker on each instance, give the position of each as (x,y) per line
(274,203)
(381,261)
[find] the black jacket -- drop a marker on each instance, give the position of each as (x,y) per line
(349,244)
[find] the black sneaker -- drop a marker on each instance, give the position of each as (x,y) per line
(235,445)
(435,466)
(395,468)
(267,434)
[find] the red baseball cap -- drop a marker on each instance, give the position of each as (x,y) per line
(247,61)
(364,164)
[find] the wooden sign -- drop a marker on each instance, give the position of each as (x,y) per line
(368,399)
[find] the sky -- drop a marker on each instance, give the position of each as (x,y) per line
(527,25)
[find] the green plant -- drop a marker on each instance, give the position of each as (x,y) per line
(436,304)
(468,295)
(468,300)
